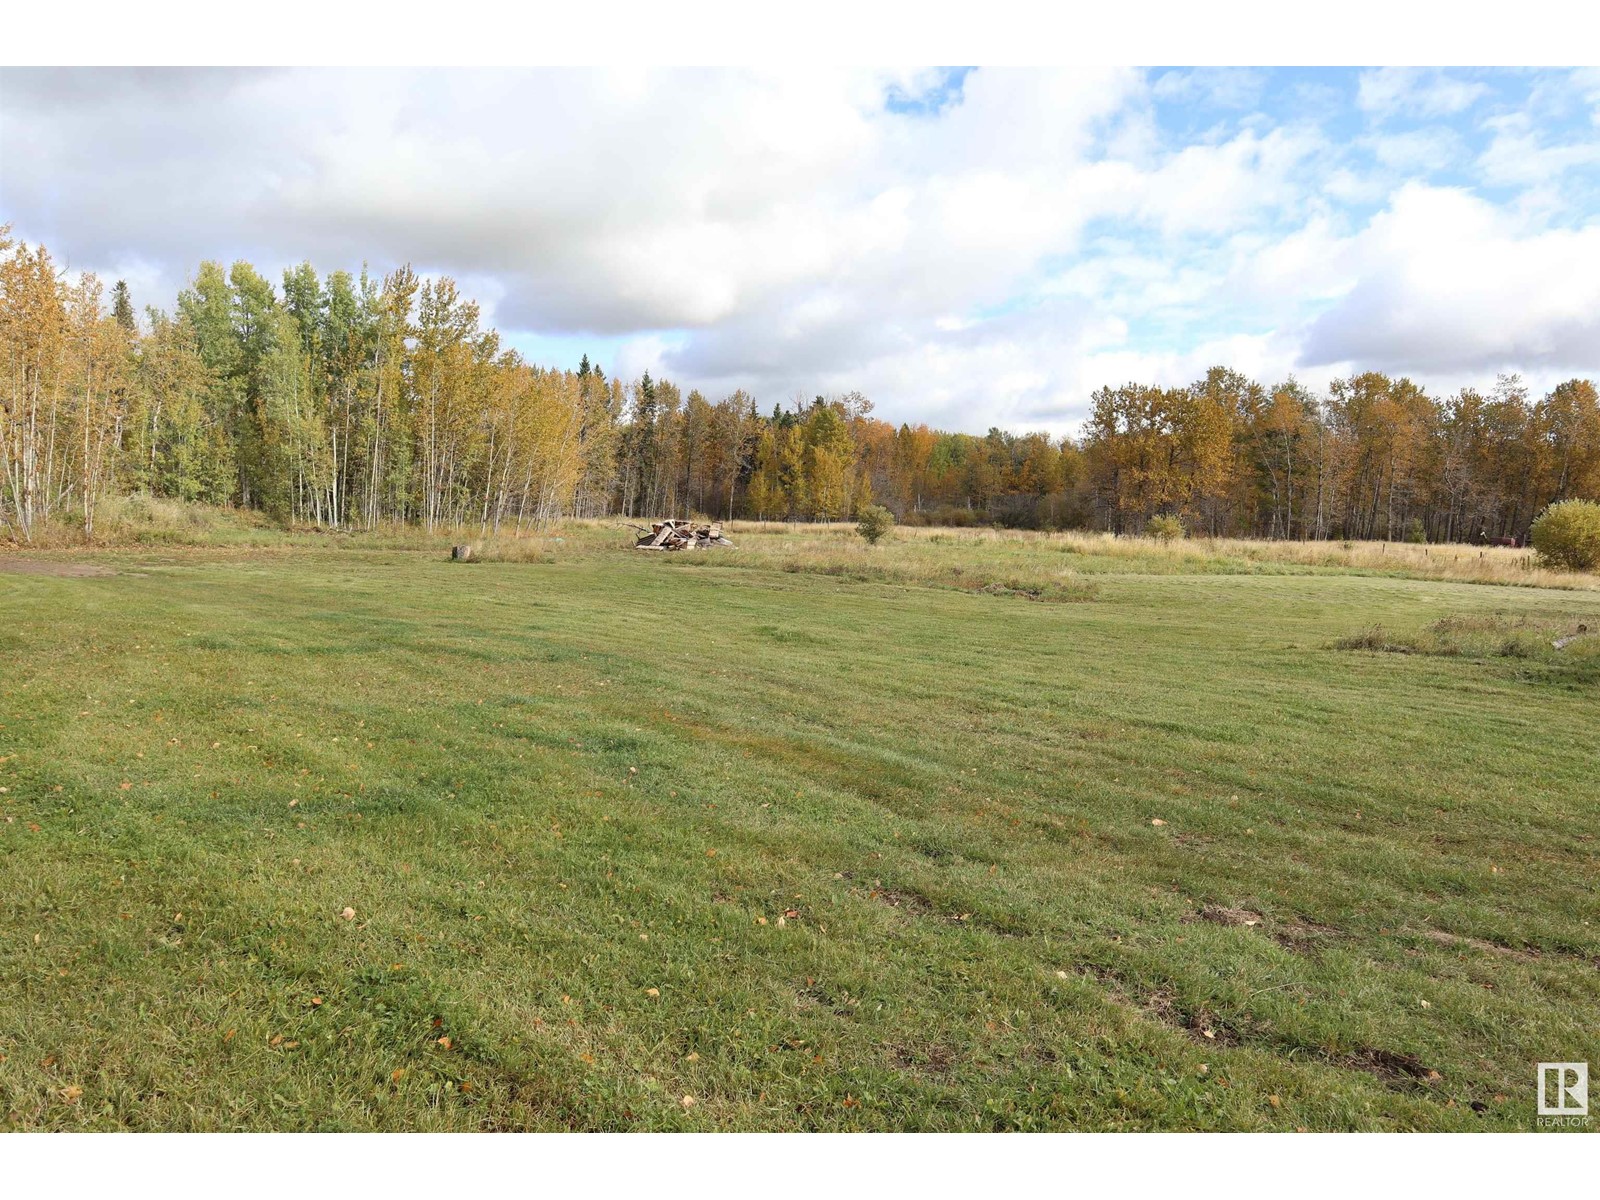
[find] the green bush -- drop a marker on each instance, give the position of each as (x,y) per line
(1415,532)
(1567,535)
(1165,527)
(874,522)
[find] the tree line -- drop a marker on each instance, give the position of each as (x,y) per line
(348,401)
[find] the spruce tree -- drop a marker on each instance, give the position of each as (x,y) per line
(122,306)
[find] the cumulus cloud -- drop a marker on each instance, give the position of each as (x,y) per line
(1448,282)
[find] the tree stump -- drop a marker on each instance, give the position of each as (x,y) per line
(461,553)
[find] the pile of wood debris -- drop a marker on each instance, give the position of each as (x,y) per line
(679,535)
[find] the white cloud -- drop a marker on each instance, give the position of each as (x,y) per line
(1447,282)
(1418,150)
(1223,87)
(1214,188)
(1388,91)
(1519,155)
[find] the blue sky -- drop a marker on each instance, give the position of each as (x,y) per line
(966,246)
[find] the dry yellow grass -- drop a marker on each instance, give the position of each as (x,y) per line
(1024,561)
(1098,553)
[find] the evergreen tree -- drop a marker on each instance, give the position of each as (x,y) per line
(122,307)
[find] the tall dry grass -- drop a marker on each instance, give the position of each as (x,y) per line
(1104,553)
(1025,562)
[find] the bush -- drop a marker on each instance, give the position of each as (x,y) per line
(1568,535)
(1416,534)
(874,522)
(1165,527)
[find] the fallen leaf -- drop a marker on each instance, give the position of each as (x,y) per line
(692,1056)
(71,1094)
(397,1074)
(687,1102)
(349,914)
(1157,821)
(445,1042)
(761,920)
(228,1037)
(1062,975)
(316,1002)
(652,991)
(1274,1101)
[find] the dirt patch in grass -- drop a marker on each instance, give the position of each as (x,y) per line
(909,902)
(1219,915)
(1303,937)
(919,905)
(1299,936)
(1454,940)
(1201,1024)
(1390,1066)
(59,568)
(1393,1068)
(933,1059)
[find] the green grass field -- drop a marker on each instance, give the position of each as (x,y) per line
(298,836)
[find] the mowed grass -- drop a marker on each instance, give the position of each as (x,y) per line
(757,841)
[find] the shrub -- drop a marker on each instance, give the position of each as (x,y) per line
(1415,532)
(874,522)
(1165,527)
(1567,535)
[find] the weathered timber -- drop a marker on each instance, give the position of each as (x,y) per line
(673,534)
